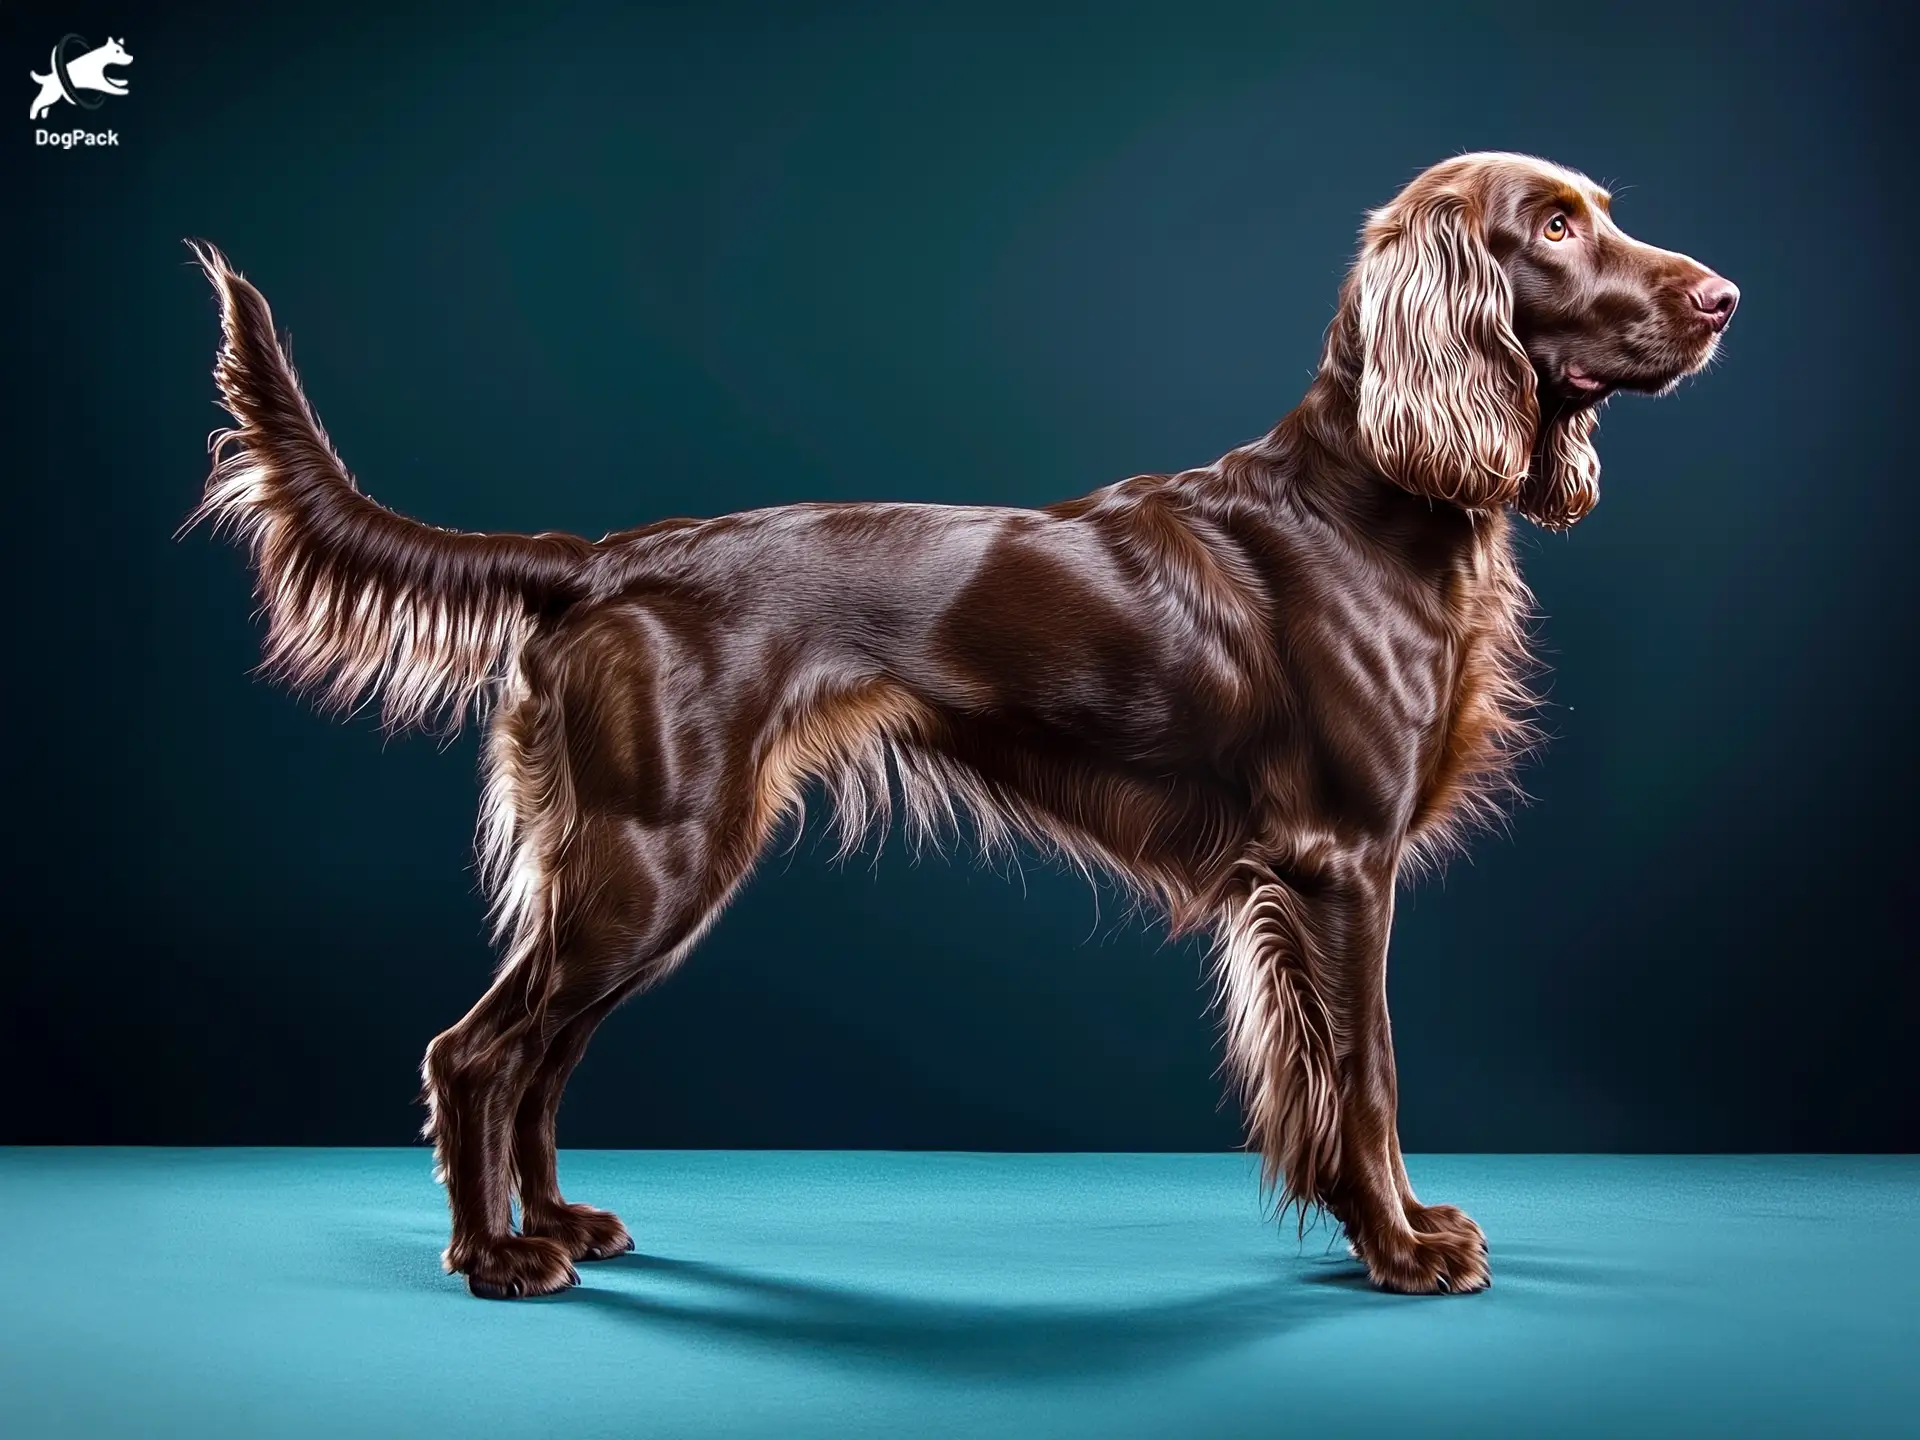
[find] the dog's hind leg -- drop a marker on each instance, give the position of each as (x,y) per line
(622,810)
(621,910)
(474,1073)
(587,1233)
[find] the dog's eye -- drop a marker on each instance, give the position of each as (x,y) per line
(1556,228)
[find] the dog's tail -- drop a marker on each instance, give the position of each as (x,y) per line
(361,603)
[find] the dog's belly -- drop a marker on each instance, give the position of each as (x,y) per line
(1183,827)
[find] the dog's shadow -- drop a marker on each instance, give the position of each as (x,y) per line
(865,1328)
(854,1326)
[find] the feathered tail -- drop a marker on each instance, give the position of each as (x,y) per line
(361,603)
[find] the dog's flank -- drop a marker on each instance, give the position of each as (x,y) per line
(1258,693)
(360,602)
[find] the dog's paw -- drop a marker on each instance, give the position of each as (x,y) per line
(1451,1261)
(1445,1220)
(585,1233)
(514,1267)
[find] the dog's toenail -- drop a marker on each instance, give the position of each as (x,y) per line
(1444,1287)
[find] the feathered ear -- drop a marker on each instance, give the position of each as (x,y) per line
(1446,402)
(1563,483)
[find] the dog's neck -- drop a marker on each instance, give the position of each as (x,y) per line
(1313,459)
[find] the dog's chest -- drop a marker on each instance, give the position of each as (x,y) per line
(1404,682)
(1481,722)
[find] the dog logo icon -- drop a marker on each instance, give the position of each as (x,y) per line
(73,78)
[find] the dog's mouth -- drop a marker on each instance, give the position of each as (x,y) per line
(1582,381)
(1586,384)
(1579,386)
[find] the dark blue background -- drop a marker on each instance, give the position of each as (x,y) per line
(581,267)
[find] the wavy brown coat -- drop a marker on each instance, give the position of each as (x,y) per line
(1255,692)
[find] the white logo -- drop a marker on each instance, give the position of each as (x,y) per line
(73,78)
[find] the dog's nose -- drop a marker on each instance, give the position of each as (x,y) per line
(1716,299)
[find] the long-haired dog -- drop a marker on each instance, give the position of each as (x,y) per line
(1254,692)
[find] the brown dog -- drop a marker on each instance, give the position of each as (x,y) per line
(1254,692)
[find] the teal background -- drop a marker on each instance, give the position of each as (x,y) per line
(294,1293)
(576,266)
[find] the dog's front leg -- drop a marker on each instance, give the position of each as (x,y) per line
(1303,979)
(1407,1246)
(1428,1219)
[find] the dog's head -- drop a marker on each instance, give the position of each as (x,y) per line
(1494,305)
(110,54)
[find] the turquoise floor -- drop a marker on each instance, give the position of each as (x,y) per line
(297,1292)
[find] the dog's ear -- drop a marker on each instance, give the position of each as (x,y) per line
(1446,395)
(1563,482)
